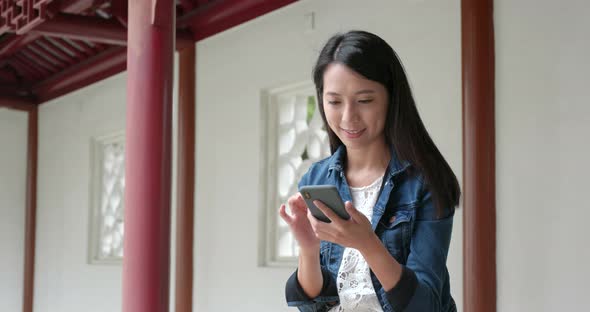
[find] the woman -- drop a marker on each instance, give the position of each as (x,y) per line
(398,189)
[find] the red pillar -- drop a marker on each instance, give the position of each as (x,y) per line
(31,211)
(479,162)
(185,180)
(148,151)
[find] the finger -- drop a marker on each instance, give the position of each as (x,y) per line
(353,212)
(312,220)
(327,211)
(317,226)
(326,236)
(290,201)
(284,215)
(296,209)
(295,202)
(298,200)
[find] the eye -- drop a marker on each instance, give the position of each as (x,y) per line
(333,102)
(366,101)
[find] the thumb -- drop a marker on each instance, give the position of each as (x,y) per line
(351,210)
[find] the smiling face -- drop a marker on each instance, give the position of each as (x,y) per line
(355,107)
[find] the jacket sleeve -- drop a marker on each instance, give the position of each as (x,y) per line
(296,297)
(425,276)
(294,293)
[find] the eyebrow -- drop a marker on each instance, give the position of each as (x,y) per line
(358,92)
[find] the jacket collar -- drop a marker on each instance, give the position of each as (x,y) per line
(336,162)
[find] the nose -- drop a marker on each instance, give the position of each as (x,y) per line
(350,113)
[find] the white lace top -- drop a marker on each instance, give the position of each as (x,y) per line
(355,288)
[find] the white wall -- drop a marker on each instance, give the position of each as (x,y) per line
(13,172)
(232,69)
(64,280)
(542,127)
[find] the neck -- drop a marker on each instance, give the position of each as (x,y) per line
(374,157)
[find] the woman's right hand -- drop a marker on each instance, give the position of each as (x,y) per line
(299,223)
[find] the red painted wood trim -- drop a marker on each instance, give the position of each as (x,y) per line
(28,53)
(479,180)
(30,212)
(217,16)
(46,55)
(68,47)
(18,103)
(80,46)
(40,70)
(185,181)
(100,66)
(146,264)
(15,43)
(52,48)
(84,28)
(28,73)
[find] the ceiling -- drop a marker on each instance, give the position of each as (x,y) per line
(49,48)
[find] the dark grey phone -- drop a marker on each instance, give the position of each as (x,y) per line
(327,194)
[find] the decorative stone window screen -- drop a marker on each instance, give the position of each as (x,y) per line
(294,138)
(107,199)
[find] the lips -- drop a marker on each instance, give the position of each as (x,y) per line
(352,133)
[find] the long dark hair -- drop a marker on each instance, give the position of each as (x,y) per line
(370,56)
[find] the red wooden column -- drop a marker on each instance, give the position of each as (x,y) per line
(185,180)
(479,168)
(31,211)
(146,261)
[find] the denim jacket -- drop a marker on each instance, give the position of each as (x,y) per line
(406,221)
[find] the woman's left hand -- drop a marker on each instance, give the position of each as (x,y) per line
(355,232)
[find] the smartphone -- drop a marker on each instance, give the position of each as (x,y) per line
(327,194)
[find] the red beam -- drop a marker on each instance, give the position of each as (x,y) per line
(30,211)
(30,73)
(16,89)
(119,10)
(7,76)
(94,29)
(146,264)
(98,67)
(75,6)
(53,49)
(47,56)
(99,47)
(84,28)
(479,162)
(24,71)
(15,43)
(80,46)
(218,16)
(69,48)
(195,13)
(41,71)
(18,103)
(39,60)
(187,5)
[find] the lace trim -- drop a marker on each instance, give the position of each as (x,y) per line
(355,287)
(372,185)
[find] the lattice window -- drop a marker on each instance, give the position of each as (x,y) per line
(108,190)
(294,139)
